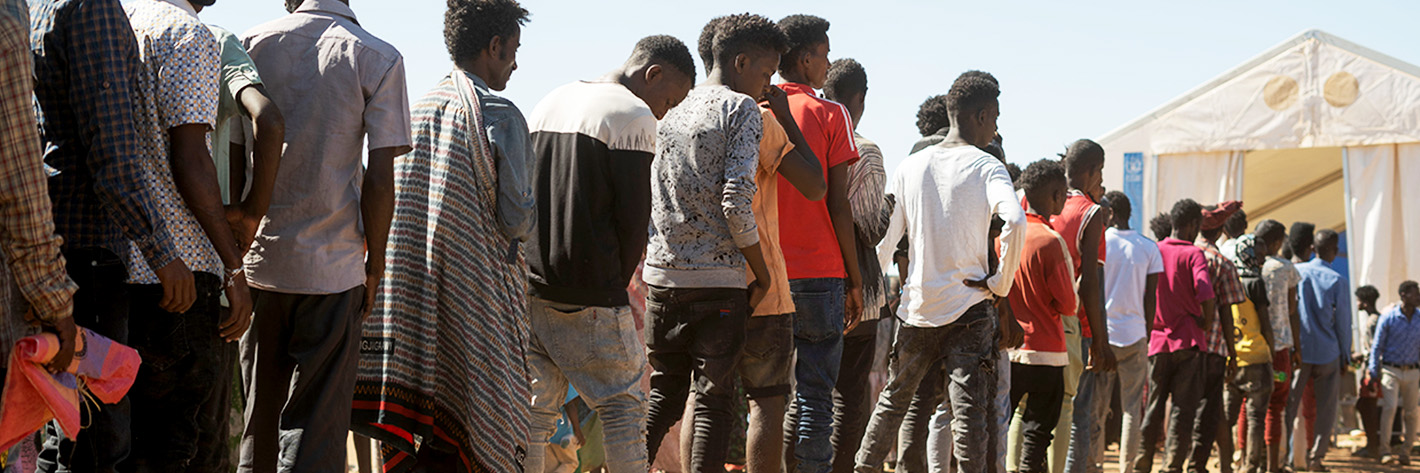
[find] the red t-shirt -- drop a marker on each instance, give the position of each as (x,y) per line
(805,231)
(1079,209)
(1044,291)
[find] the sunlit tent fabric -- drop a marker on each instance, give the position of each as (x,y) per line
(1317,129)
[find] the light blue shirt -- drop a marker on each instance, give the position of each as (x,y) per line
(1325,312)
(1397,340)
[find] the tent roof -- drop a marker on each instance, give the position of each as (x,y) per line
(1227,112)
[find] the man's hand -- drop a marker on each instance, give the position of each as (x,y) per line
(239,315)
(978,283)
(1232,367)
(1296,358)
(1012,335)
(372,286)
(243,227)
(778,101)
(178,290)
(1101,357)
(757,292)
(67,332)
(852,307)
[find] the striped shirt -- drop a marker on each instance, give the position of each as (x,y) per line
(867,182)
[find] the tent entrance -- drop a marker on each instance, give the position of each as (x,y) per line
(1295,185)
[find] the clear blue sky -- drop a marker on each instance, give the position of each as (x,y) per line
(1067,69)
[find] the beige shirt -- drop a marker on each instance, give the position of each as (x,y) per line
(772,148)
(336,85)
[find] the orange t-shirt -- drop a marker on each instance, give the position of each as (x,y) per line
(810,244)
(772,149)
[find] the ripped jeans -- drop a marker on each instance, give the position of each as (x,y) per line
(968,347)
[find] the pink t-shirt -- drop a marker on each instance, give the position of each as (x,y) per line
(1182,289)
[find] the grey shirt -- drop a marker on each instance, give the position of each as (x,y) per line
(702,186)
(507,132)
(338,87)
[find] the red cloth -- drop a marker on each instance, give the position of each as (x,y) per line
(805,230)
(33,396)
(1182,289)
(1079,209)
(1213,219)
(1044,291)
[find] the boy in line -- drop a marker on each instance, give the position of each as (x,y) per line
(703,235)
(1251,384)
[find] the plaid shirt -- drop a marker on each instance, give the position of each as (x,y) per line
(85,61)
(27,238)
(1229,290)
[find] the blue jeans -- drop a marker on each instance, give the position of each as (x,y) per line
(818,346)
(1083,425)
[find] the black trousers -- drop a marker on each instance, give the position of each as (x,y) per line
(852,397)
(101,305)
(1174,375)
(694,337)
(1043,388)
(1214,369)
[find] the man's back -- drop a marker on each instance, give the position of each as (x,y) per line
(1324,301)
(335,83)
(806,230)
(1185,284)
(1132,258)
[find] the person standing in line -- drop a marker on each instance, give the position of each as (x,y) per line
(1251,383)
(450,315)
(933,122)
(766,364)
(339,87)
(946,196)
(1368,403)
(1043,293)
(1233,229)
(1281,278)
(1325,302)
(1219,353)
(1131,277)
(38,294)
(703,237)
(1185,307)
(1395,364)
(594,142)
(819,246)
(101,199)
(847,84)
(1083,222)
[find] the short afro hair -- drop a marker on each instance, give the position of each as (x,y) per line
(471,25)
(1300,238)
(706,45)
(1082,156)
(1328,238)
(803,32)
(846,77)
(1408,286)
(740,33)
(1370,293)
(1185,212)
(1270,231)
(973,91)
(1236,224)
(1119,204)
(932,115)
(1040,174)
(666,51)
(1161,226)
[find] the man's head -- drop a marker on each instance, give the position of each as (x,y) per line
(1161,226)
(483,38)
(746,50)
(198,5)
(1366,297)
(1084,165)
(292,5)
(997,149)
(1300,241)
(932,116)
(973,104)
(806,61)
(1120,208)
(1236,225)
(660,72)
(1045,186)
(1213,218)
(705,46)
(847,84)
(1186,218)
(1328,245)
(1271,235)
(1410,295)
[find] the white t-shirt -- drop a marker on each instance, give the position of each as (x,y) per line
(1130,259)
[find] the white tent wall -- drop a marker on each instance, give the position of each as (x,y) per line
(1384,206)
(1208,178)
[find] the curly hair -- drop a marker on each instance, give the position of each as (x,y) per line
(1185,212)
(471,25)
(1161,226)
(1082,156)
(973,91)
(737,34)
(1119,205)
(803,32)
(933,115)
(1236,224)
(665,50)
(1369,294)
(705,46)
(845,78)
(1299,238)
(1040,174)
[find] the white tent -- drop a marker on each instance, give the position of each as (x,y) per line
(1317,129)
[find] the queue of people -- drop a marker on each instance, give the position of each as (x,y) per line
(444,277)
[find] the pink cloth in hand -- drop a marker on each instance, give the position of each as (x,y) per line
(33,396)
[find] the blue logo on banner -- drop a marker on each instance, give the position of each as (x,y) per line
(1134,187)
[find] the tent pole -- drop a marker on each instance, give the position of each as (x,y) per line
(1353,259)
